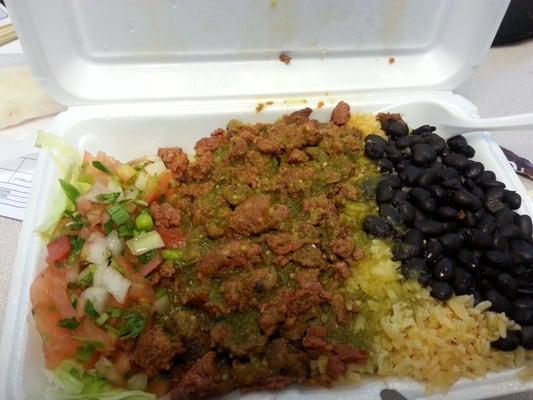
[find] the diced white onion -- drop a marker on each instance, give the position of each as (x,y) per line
(107,370)
(114,187)
(110,279)
(95,250)
(142,179)
(114,243)
(131,193)
(96,295)
(145,242)
(162,304)
(155,168)
(138,382)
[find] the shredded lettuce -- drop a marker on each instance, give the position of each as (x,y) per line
(71,382)
(68,163)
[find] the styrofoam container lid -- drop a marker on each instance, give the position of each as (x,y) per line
(131,50)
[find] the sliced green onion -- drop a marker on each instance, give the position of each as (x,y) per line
(144,221)
(145,242)
(146,257)
(107,197)
(114,312)
(86,276)
(102,319)
(98,165)
(70,190)
(174,254)
(118,214)
(141,202)
(125,230)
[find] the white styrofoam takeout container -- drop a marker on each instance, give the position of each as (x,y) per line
(140,74)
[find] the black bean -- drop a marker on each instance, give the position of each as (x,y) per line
(499,259)
(499,302)
(486,176)
(385,165)
(377,226)
(469,260)
(427,177)
(479,240)
(423,129)
(466,200)
(513,199)
(491,184)
(453,184)
(423,154)
(525,290)
(438,193)
(523,316)
(448,174)
(433,250)
(494,193)
(508,343)
(375,139)
(391,215)
(526,227)
(429,205)
(477,296)
(491,272)
(384,193)
(479,214)
(403,142)
(454,160)
(449,226)
(391,180)
(399,196)
(526,337)
(447,213)
(457,142)
(474,170)
(484,284)
(523,302)
(463,281)
(436,142)
(494,205)
(443,269)
(415,269)
(401,165)
(500,243)
(487,224)
(505,216)
(467,151)
(410,174)
(395,128)
(374,151)
(417,194)
(470,219)
(405,210)
(419,215)
(510,231)
(430,228)
(451,242)
(393,154)
(521,251)
(506,283)
(441,290)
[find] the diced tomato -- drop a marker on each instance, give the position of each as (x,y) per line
(141,289)
(171,236)
(156,186)
(145,269)
(163,179)
(122,363)
(151,191)
(88,330)
(58,249)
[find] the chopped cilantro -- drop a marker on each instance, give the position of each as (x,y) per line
(98,165)
(90,310)
(108,197)
(132,324)
(143,259)
(114,312)
(86,350)
(76,244)
(69,323)
(102,319)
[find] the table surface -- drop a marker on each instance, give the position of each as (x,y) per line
(501,85)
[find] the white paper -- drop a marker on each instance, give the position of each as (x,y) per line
(16,178)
